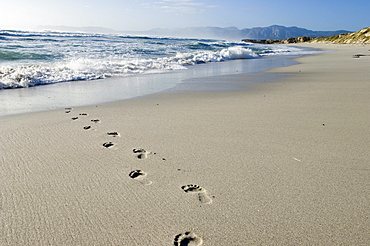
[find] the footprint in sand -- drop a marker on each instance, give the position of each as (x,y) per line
(188,238)
(140,176)
(83,114)
(74,118)
(68,110)
(108,145)
(87,127)
(113,134)
(202,193)
(142,153)
(95,121)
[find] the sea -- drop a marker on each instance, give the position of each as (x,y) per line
(41,70)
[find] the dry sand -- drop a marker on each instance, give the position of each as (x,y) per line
(286,163)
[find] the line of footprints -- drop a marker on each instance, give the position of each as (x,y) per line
(187,238)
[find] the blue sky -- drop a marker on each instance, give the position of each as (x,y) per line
(146,14)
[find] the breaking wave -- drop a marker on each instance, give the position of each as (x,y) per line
(38,58)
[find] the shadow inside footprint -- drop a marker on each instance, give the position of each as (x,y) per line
(95,121)
(140,176)
(139,151)
(108,144)
(114,134)
(187,239)
(142,153)
(87,127)
(202,193)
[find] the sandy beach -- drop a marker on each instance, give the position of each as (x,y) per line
(281,163)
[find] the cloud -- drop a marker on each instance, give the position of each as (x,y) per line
(183,2)
(183,6)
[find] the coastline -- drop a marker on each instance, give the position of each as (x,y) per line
(285,163)
(96,92)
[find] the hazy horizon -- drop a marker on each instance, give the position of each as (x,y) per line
(40,27)
(143,15)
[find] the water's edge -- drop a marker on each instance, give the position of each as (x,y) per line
(85,93)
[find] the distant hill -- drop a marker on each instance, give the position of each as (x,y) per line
(360,37)
(282,32)
(233,33)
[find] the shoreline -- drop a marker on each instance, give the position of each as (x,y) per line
(285,163)
(97,92)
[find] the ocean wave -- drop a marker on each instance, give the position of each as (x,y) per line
(38,58)
(13,55)
(91,69)
(278,49)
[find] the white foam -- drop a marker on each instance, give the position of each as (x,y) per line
(91,69)
(272,50)
(233,53)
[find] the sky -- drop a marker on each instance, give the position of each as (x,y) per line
(141,15)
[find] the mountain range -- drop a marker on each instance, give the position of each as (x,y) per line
(233,33)
(228,33)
